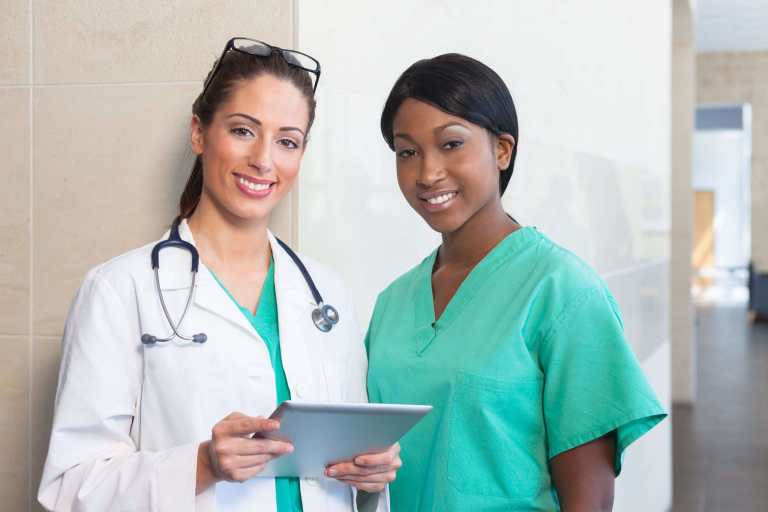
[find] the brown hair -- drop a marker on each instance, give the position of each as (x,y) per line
(237,68)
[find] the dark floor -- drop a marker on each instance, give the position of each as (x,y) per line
(720,446)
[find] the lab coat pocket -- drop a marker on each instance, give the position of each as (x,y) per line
(496,437)
(333,380)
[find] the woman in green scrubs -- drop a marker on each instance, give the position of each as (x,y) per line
(517,343)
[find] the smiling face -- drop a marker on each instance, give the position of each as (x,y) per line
(447,167)
(252,149)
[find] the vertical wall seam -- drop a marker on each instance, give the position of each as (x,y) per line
(294,212)
(30,469)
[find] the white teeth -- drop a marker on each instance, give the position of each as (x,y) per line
(254,186)
(441,199)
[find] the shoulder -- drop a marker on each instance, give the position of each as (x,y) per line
(561,271)
(396,299)
(332,286)
(123,270)
(322,273)
(403,285)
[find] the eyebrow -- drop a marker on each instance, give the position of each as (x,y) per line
(435,131)
(448,125)
(404,136)
(257,122)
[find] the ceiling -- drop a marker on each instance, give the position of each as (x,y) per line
(731,25)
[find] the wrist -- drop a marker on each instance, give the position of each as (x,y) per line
(205,474)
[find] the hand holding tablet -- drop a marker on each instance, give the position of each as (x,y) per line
(334,435)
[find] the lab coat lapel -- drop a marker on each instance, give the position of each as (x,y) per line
(209,294)
(294,306)
(293,295)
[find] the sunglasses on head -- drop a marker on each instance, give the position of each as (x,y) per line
(261,49)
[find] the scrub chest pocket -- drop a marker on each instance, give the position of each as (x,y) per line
(496,437)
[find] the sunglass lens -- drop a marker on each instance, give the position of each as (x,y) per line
(252,47)
(301,60)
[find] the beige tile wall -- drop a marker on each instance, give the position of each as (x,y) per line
(95,101)
(737,78)
(14,205)
(14,423)
(14,42)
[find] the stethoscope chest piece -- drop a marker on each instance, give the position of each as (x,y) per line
(325,317)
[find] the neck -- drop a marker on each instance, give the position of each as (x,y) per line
(225,240)
(474,239)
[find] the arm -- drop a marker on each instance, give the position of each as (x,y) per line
(93,461)
(584,476)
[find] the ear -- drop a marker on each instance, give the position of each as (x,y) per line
(196,138)
(505,143)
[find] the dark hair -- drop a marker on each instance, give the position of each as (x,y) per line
(460,86)
(237,68)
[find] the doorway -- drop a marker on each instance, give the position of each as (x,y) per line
(722,202)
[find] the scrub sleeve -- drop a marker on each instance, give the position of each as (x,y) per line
(605,391)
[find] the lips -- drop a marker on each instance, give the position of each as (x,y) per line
(252,187)
(438,201)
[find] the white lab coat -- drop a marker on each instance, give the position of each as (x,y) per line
(129,417)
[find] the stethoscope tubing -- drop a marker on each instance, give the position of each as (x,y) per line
(324,316)
(190,299)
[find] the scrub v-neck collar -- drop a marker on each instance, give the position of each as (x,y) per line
(426,329)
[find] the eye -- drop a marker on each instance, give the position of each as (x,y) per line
(241,131)
(406,153)
(452,144)
(288,143)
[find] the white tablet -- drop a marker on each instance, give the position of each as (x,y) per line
(325,433)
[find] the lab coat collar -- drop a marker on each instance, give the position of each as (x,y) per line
(209,295)
(293,296)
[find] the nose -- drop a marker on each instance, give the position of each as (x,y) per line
(432,169)
(261,158)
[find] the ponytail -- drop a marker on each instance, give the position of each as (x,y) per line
(192,190)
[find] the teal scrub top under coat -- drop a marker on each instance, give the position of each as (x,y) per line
(528,360)
(264,322)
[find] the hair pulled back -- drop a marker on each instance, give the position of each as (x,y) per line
(459,86)
(236,69)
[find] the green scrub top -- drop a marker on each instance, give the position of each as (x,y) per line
(528,360)
(264,322)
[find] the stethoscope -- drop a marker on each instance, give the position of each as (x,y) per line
(324,316)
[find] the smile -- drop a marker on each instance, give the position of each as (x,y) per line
(254,186)
(441,199)
(438,201)
(256,189)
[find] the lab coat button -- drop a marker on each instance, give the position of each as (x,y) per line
(311,481)
(301,390)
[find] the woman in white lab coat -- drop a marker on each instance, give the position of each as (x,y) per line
(167,426)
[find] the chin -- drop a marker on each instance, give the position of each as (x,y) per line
(442,224)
